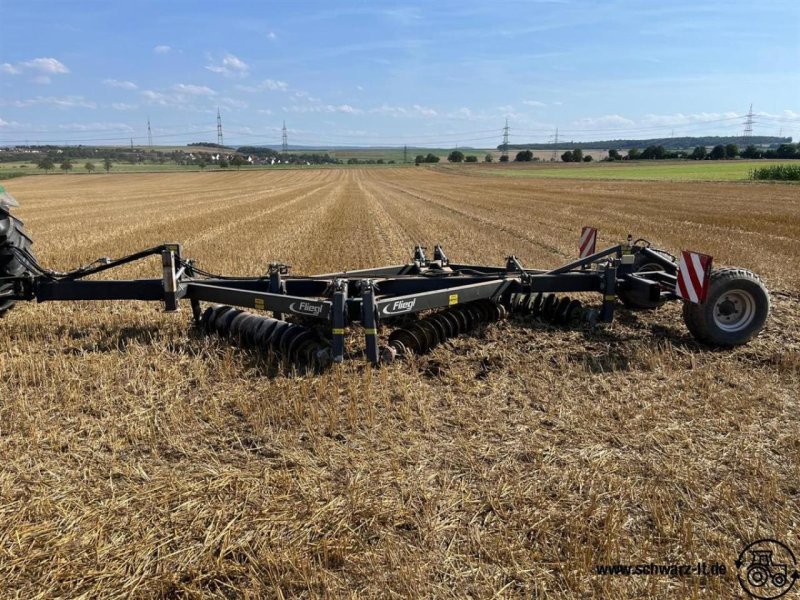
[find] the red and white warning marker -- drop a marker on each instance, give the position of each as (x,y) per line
(694,271)
(588,241)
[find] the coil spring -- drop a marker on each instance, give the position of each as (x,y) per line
(427,333)
(548,308)
(292,343)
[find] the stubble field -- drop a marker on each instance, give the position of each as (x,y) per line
(140,460)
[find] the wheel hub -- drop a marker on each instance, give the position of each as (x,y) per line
(734,310)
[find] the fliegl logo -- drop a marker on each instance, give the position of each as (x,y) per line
(400,306)
(306,308)
(767,569)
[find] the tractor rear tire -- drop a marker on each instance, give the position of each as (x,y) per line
(643,263)
(12,234)
(735,310)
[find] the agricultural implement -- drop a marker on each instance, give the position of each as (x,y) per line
(419,305)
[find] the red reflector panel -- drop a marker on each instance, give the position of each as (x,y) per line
(588,241)
(694,270)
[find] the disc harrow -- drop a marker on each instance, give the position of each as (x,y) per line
(428,332)
(293,344)
(425,302)
(551,308)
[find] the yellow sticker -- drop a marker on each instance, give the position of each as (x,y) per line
(453,299)
(609,297)
(259,303)
(370,331)
(338,331)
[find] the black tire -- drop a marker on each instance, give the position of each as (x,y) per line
(735,310)
(12,234)
(643,263)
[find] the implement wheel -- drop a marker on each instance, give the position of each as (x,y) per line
(12,235)
(734,312)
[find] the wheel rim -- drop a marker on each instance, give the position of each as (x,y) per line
(734,310)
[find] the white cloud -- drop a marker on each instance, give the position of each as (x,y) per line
(57,101)
(46,65)
(612,120)
(125,85)
(272,36)
(162,49)
(360,88)
(42,68)
(123,106)
(274,85)
(534,103)
(231,66)
(233,103)
(399,111)
(193,90)
(685,119)
(324,108)
(4,123)
(264,111)
(101,126)
(346,108)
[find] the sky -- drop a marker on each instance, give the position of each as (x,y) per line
(436,74)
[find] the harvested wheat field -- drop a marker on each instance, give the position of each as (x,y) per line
(142,460)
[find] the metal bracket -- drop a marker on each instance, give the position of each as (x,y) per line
(170,280)
(369,320)
(339,318)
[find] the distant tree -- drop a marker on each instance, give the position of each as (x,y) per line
(731,150)
(431,158)
(614,154)
(107,164)
(471,159)
(46,164)
(577,155)
(587,158)
(89,166)
(654,153)
(352,161)
(524,156)
(223,163)
(718,152)
(419,159)
(488,158)
(66,165)
(567,156)
(456,156)
(751,152)
(699,153)
(202,164)
(237,161)
(504,158)
(380,161)
(633,154)
(788,151)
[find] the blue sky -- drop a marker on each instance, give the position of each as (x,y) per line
(379,73)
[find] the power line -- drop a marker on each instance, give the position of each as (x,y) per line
(504,155)
(219,128)
(555,144)
(748,123)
